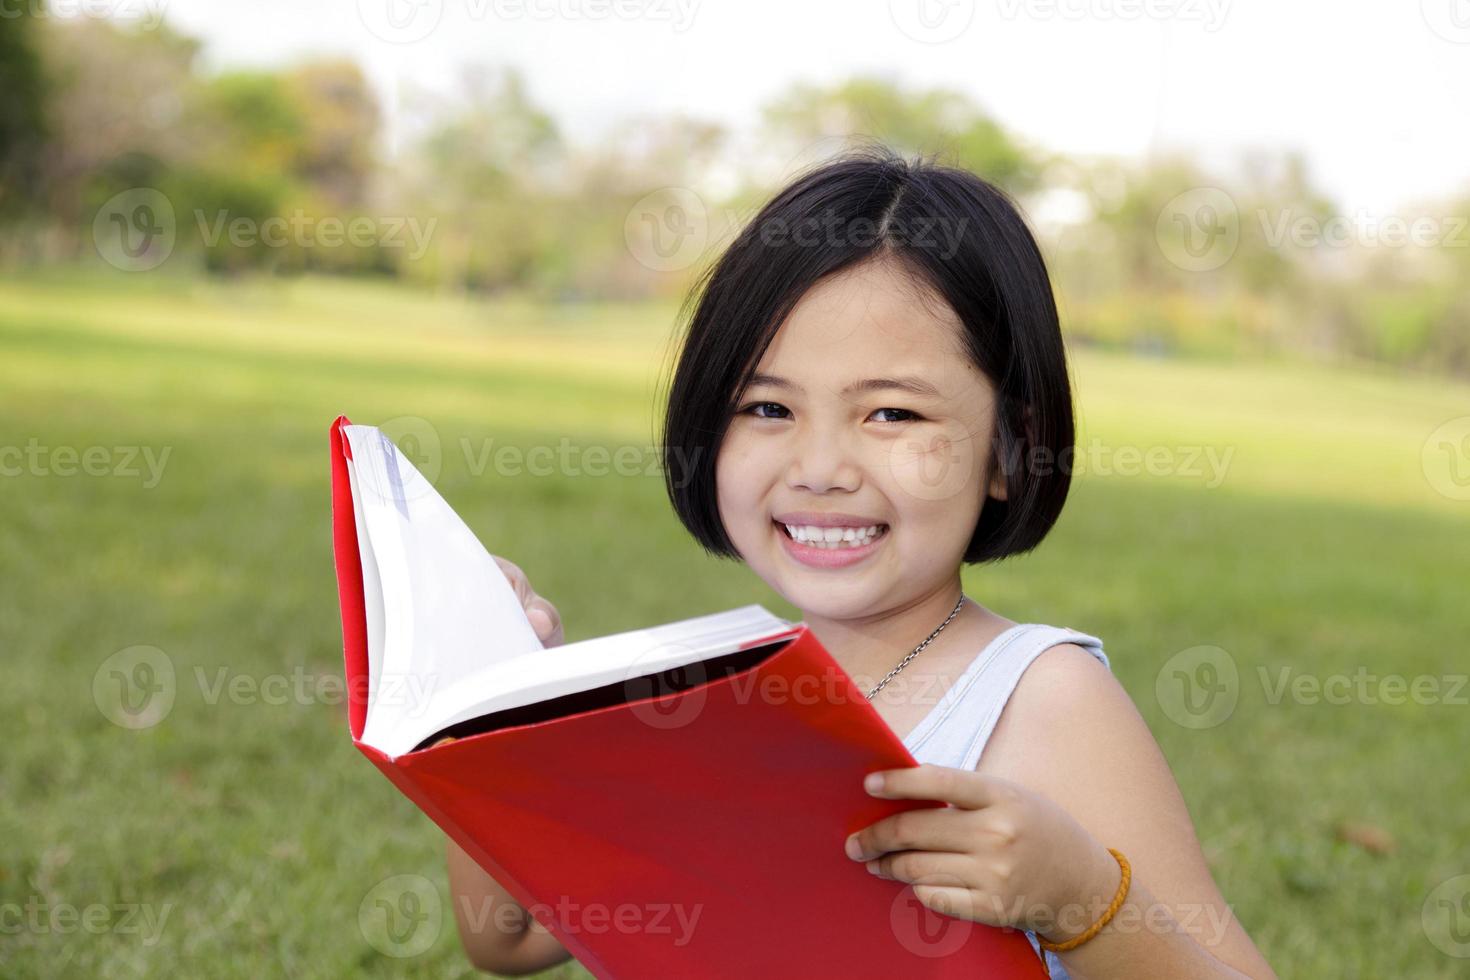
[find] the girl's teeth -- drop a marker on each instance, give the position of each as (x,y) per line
(833,537)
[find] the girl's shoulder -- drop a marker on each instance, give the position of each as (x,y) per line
(1067,693)
(1070,670)
(1043,649)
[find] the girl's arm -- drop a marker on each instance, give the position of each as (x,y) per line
(497,933)
(1087,748)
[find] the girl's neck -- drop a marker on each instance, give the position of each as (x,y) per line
(870,646)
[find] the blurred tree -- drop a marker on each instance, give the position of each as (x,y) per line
(1276,195)
(485,167)
(660,169)
(341,116)
(498,199)
(1127,205)
(297,145)
(938,121)
(117,91)
(250,121)
(22,111)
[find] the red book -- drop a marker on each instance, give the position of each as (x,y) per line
(670,801)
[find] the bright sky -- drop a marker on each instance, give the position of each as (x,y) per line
(1377,95)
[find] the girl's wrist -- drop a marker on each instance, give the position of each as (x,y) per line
(1097,886)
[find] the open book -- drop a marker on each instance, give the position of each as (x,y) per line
(705,771)
(447,639)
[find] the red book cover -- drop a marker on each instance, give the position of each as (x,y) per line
(696,832)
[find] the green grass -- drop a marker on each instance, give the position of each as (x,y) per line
(258,830)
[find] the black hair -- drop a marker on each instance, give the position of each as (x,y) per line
(950,231)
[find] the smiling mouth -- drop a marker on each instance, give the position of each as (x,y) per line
(857,538)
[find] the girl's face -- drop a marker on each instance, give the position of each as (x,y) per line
(865,410)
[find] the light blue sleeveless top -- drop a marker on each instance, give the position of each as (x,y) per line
(955,732)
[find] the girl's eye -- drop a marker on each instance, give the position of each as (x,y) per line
(755,407)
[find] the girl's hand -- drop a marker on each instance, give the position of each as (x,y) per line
(998,854)
(545,620)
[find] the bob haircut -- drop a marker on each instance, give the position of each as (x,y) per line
(957,237)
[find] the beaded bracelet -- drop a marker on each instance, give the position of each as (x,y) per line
(1107,916)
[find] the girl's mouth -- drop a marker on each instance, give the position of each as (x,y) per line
(851,547)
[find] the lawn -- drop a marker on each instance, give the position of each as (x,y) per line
(1290,519)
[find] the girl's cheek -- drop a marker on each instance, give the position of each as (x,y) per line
(932,468)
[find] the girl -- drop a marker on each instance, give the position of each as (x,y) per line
(872,393)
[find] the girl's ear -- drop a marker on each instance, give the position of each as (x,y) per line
(997,484)
(997,488)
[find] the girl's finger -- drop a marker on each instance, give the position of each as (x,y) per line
(939,869)
(545,620)
(517,578)
(922,830)
(540,622)
(962,903)
(962,787)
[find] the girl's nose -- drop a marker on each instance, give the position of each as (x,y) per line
(821,462)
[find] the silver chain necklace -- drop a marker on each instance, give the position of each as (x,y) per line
(905,661)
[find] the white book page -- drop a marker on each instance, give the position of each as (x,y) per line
(572,667)
(453,642)
(448,610)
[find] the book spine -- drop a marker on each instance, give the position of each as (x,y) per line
(348,562)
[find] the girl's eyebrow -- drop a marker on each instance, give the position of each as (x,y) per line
(908,383)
